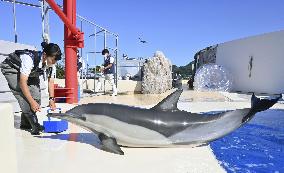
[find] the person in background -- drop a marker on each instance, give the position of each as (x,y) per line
(22,70)
(108,70)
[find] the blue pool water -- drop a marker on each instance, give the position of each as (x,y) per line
(256,147)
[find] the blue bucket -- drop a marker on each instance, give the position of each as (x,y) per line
(55,126)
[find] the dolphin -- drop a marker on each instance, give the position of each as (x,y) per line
(164,125)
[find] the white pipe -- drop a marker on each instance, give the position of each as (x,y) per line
(15,21)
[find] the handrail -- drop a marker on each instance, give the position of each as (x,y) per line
(79,16)
(92,23)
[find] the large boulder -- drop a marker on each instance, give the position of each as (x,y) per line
(157,74)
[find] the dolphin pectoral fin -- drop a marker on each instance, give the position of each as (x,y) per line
(170,102)
(109,144)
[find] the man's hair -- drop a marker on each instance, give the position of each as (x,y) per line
(52,49)
(105,51)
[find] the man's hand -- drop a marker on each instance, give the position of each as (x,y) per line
(35,106)
(52,105)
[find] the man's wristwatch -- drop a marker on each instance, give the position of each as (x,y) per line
(51,98)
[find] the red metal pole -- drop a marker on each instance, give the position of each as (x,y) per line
(73,38)
(70,53)
(70,22)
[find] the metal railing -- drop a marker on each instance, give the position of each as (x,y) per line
(45,28)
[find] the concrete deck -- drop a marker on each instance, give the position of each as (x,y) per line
(77,150)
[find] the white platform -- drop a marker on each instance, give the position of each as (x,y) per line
(8,154)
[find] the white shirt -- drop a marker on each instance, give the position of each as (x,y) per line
(28,64)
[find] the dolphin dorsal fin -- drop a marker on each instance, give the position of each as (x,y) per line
(170,102)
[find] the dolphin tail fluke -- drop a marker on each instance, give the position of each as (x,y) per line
(258,105)
(109,144)
(170,102)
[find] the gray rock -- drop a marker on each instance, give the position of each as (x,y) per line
(157,74)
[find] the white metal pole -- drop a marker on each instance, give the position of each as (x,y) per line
(105,39)
(45,21)
(95,50)
(15,21)
(116,57)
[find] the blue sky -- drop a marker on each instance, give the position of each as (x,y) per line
(178,28)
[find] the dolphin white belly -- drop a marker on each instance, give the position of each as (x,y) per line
(126,134)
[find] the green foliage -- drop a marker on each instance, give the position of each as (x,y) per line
(60,68)
(185,71)
(97,70)
(60,72)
